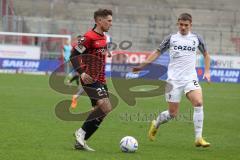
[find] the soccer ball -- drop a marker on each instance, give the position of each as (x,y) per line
(128,144)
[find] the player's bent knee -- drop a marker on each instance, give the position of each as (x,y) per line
(108,108)
(198,103)
(105,105)
(173,111)
(173,114)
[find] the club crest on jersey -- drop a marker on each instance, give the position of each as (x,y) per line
(81,39)
(184,48)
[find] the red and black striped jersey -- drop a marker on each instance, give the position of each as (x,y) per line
(93,50)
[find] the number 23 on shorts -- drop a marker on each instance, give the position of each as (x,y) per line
(101,91)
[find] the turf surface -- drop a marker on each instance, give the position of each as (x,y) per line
(30,129)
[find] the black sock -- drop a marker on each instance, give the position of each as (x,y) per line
(92,122)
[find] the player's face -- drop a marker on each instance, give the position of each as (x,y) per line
(184,27)
(105,23)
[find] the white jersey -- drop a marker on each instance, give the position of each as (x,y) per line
(182,51)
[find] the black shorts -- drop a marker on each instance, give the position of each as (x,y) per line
(95,91)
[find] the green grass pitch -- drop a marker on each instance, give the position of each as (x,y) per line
(30,130)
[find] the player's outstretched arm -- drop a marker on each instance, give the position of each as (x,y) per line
(207,75)
(149,60)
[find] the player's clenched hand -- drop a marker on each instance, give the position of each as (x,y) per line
(207,76)
(86,78)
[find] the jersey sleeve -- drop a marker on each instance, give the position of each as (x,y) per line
(85,41)
(80,47)
(165,44)
(83,44)
(202,45)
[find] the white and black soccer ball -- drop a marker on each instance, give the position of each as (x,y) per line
(128,144)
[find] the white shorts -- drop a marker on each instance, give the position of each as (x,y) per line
(175,89)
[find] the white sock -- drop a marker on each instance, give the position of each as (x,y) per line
(81,131)
(163,117)
(198,121)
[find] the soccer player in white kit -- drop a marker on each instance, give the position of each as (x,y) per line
(182,76)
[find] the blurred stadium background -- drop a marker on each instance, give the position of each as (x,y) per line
(144,23)
(31,130)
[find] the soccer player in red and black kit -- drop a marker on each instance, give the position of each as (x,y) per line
(88,58)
